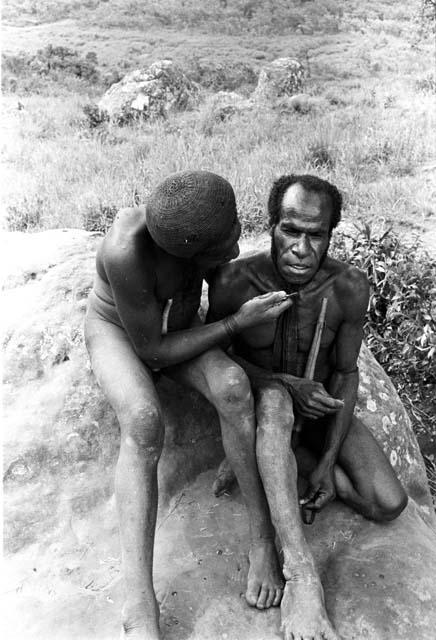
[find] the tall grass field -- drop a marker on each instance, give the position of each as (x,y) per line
(369,128)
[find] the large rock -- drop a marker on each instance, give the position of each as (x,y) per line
(279,78)
(148,93)
(61,440)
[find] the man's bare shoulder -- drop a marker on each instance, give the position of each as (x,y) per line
(352,289)
(127,230)
(125,242)
(235,282)
(127,225)
(240,272)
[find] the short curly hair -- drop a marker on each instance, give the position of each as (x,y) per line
(310,183)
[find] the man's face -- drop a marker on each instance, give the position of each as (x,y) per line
(302,235)
(223,252)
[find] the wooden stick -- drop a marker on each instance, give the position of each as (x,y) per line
(309,371)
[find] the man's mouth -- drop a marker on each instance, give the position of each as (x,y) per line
(298,267)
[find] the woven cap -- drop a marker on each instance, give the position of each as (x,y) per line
(191,211)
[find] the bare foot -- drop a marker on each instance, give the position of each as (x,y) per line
(265,582)
(225,479)
(303,611)
(140,621)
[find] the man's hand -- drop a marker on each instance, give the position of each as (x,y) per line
(311,398)
(321,490)
(262,309)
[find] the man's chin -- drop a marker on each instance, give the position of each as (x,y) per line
(296,276)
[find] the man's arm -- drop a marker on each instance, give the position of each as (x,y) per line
(132,279)
(353,295)
(227,290)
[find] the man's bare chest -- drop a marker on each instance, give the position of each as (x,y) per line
(306,312)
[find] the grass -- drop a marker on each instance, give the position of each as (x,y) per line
(370,66)
(60,166)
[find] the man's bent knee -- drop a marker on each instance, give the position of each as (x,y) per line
(231,391)
(388,508)
(142,430)
(387,511)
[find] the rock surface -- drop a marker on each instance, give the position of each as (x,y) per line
(148,93)
(281,77)
(61,440)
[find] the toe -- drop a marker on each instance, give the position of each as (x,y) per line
(277,597)
(263,597)
(252,595)
(270,598)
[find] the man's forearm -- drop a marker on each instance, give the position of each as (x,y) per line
(342,386)
(179,346)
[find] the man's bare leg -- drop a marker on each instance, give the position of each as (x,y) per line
(129,387)
(226,386)
(364,478)
(303,609)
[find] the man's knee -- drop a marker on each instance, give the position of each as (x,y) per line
(274,410)
(384,505)
(142,429)
(387,508)
(231,391)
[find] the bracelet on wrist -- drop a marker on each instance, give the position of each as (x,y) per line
(231,326)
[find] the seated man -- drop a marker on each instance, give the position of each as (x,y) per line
(337,452)
(150,257)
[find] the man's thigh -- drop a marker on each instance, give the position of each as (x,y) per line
(365,463)
(360,457)
(125,380)
(208,373)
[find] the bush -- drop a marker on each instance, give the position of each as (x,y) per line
(400,328)
(51,63)
(95,117)
(222,76)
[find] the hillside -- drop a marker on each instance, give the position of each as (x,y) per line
(370,63)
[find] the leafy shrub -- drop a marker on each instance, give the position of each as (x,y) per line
(50,63)
(400,328)
(222,76)
(95,117)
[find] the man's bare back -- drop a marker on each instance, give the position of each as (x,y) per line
(152,256)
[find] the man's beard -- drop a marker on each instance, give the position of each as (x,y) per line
(287,286)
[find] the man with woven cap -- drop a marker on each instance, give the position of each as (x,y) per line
(142,318)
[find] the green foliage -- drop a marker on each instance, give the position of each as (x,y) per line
(95,117)
(30,72)
(229,75)
(401,324)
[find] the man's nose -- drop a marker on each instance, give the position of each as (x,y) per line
(301,248)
